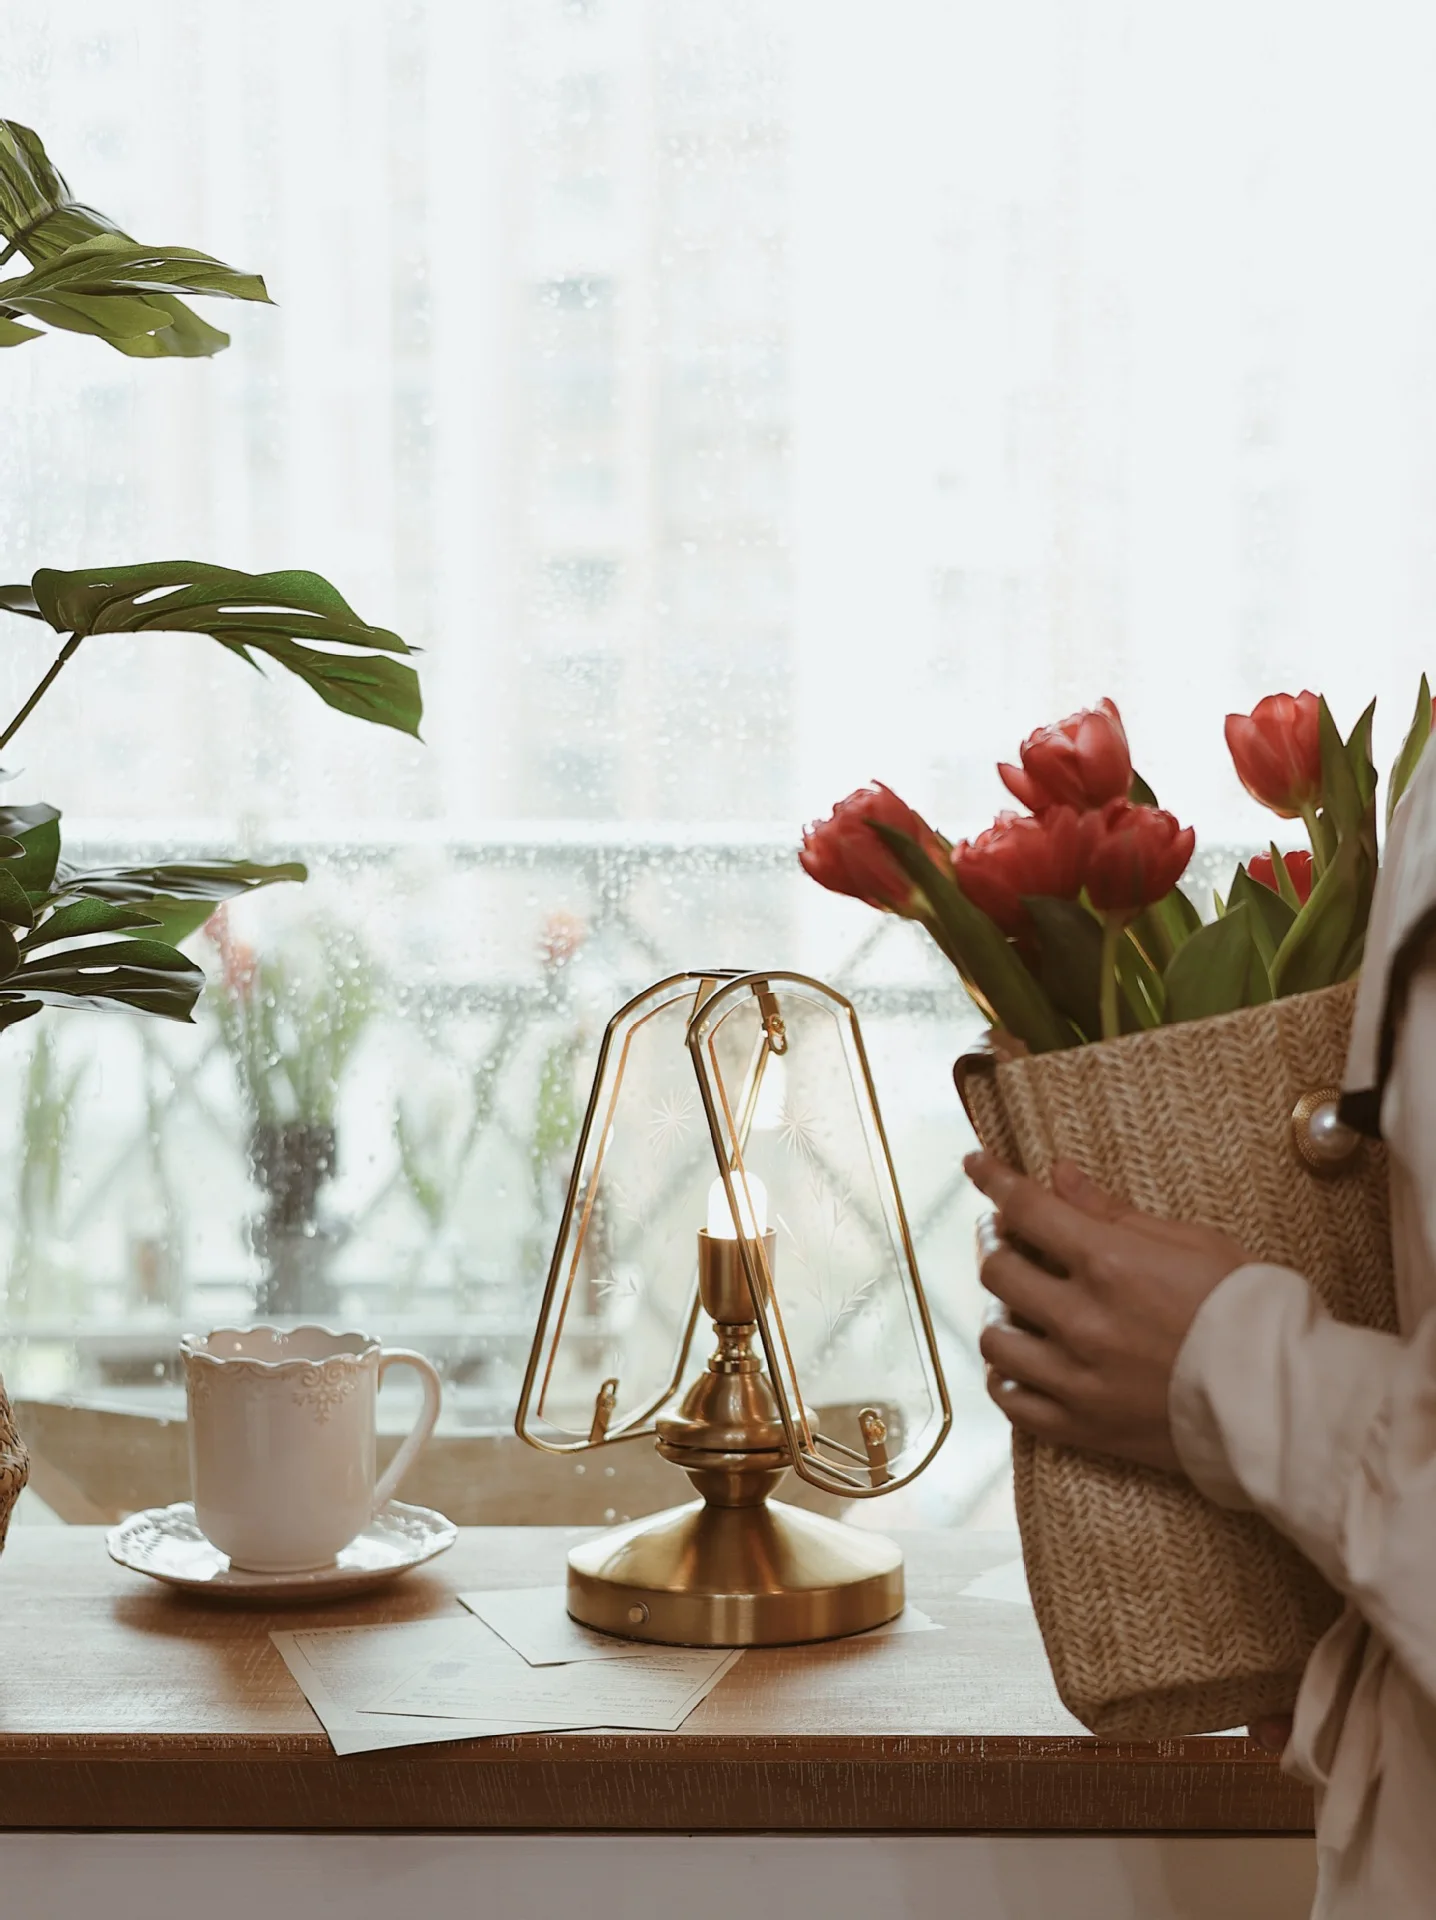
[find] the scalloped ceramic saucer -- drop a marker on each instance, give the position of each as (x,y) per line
(166,1543)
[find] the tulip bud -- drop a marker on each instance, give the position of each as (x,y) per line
(1082,762)
(1134,856)
(843,853)
(1022,856)
(1276,749)
(1298,866)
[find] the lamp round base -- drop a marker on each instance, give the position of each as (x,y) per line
(762,1576)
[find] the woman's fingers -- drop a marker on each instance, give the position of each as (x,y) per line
(1027,1292)
(1029,1359)
(1075,1187)
(1030,1212)
(1035,1413)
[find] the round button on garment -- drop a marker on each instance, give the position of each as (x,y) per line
(1322,1138)
(637,1615)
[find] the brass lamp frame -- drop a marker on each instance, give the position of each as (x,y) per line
(735,1569)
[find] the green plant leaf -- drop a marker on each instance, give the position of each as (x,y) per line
(1218,970)
(1069,960)
(37,829)
(1139,793)
(1325,941)
(1412,748)
(13,1010)
(1069,946)
(1342,803)
(1358,754)
(1272,918)
(77,918)
(295,618)
(16,908)
(1163,927)
(981,952)
(142,975)
(1285,885)
(177,899)
(84,293)
(1142,986)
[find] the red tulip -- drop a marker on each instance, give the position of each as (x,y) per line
(1298,866)
(1021,856)
(1276,749)
(1135,856)
(845,855)
(1082,761)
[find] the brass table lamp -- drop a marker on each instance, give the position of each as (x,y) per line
(732,1164)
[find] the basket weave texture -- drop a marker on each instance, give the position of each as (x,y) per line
(14,1464)
(1161,1613)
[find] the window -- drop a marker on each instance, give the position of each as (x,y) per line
(736,399)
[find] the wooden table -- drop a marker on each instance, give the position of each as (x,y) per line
(124,1705)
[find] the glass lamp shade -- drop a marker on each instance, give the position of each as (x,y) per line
(739,1107)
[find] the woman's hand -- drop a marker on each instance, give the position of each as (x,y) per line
(1086,1359)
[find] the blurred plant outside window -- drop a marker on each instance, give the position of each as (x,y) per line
(738,400)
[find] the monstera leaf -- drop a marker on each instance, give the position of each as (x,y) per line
(89,276)
(53,917)
(173,900)
(295,619)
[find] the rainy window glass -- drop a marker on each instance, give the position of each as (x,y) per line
(736,400)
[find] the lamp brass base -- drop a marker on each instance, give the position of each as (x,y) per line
(758,1576)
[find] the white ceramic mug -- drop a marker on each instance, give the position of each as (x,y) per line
(281,1440)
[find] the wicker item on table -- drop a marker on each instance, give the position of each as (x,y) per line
(14,1464)
(1161,1613)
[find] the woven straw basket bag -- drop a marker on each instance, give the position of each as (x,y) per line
(1161,1613)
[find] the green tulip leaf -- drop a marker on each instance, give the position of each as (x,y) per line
(1358,754)
(1139,793)
(1342,803)
(1325,941)
(1412,748)
(90,277)
(981,952)
(12,334)
(1069,955)
(1142,986)
(1164,926)
(1285,885)
(294,618)
(1272,918)
(1218,970)
(1069,945)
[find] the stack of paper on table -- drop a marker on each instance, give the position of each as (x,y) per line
(515,1664)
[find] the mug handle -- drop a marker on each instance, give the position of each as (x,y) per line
(423,1426)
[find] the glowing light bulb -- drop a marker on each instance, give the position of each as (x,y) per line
(752,1208)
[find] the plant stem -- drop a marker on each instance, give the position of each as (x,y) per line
(1113,927)
(1313,834)
(38,695)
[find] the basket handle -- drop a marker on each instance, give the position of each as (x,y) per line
(975,1075)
